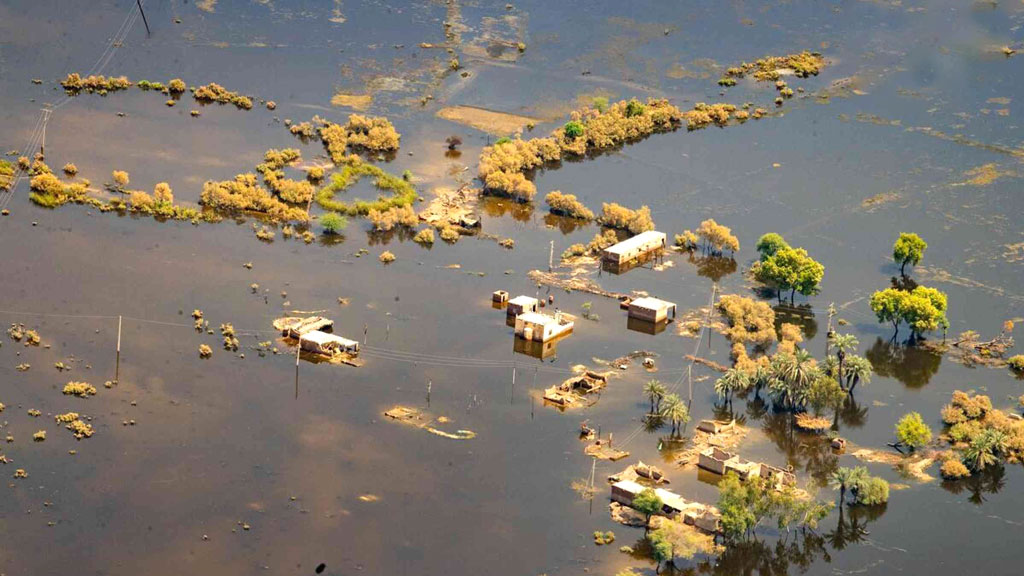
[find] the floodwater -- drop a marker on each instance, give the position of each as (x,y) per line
(308,463)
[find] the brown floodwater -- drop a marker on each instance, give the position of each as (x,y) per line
(305,459)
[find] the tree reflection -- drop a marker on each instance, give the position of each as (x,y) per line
(809,452)
(564,224)
(383,238)
(802,315)
(988,481)
(913,366)
(498,207)
(713,267)
(852,525)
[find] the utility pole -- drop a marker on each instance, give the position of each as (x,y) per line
(144,21)
(551,257)
(117,362)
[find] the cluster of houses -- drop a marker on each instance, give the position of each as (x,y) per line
(674,506)
(714,459)
(314,335)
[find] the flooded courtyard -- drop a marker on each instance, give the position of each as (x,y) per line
(256,459)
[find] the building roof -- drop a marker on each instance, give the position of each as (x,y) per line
(536,318)
(640,240)
(523,300)
(323,338)
(652,303)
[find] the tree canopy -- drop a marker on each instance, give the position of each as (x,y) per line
(769,244)
(908,249)
(923,309)
(717,237)
(912,431)
(647,503)
(790,269)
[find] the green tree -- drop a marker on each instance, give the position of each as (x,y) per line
(844,478)
(648,503)
(673,539)
(908,249)
(825,392)
(912,431)
(738,517)
(984,449)
(333,223)
(872,491)
(574,129)
(734,380)
(858,369)
(675,411)
(655,391)
(769,244)
(888,306)
(792,270)
(843,343)
(634,108)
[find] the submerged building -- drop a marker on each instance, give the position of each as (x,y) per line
(543,327)
(674,506)
(637,247)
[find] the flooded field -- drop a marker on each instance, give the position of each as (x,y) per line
(253,459)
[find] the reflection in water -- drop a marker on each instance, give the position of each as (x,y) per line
(802,315)
(564,224)
(853,415)
(988,481)
(713,267)
(383,238)
(852,525)
(498,207)
(911,365)
(654,256)
(810,452)
(645,327)
(905,283)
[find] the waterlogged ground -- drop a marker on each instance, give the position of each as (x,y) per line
(918,132)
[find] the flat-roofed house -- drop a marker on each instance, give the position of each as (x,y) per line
(543,327)
(651,309)
(635,247)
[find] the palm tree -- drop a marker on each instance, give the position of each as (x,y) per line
(734,380)
(843,344)
(656,392)
(844,478)
(858,369)
(792,377)
(985,449)
(675,411)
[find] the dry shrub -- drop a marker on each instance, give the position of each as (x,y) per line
(70,169)
(635,221)
(74,83)
(425,236)
(163,194)
(750,321)
(394,216)
(601,241)
(372,132)
(387,257)
(567,205)
(214,92)
(717,237)
(512,184)
(789,336)
(245,194)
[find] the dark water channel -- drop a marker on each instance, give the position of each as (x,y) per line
(313,469)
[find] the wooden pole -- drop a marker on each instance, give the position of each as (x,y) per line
(117,360)
(298,350)
(144,21)
(551,257)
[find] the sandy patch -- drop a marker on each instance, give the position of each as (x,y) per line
(499,123)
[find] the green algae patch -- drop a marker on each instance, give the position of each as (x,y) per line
(402,193)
